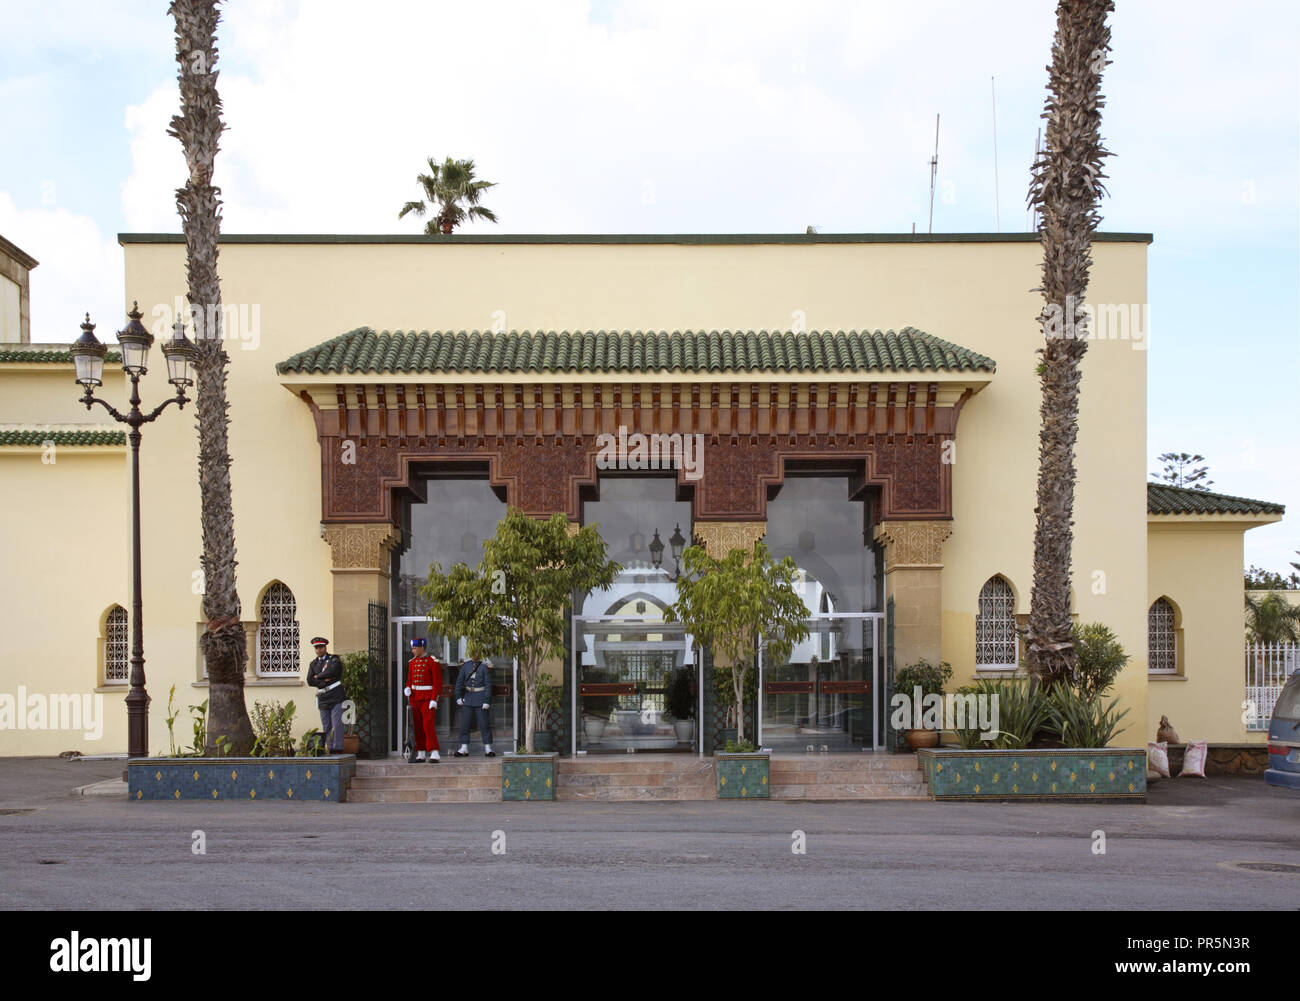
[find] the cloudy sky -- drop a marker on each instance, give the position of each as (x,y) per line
(659,116)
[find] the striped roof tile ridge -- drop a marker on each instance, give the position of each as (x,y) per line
(26,437)
(1165,498)
(364,351)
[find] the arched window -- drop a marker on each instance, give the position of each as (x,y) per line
(116,644)
(277,632)
(1162,644)
(995,627)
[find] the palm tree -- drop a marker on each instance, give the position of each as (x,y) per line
(447,186)
(1065,189)
(198,127)
(1272,619)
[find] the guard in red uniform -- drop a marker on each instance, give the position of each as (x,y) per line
(423,686)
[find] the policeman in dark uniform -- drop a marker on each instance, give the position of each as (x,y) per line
(326,676)
(474,696)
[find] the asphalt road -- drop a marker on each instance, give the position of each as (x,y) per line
(69,852)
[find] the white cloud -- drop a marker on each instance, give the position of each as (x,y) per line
(80,271)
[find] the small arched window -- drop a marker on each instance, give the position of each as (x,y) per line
(995,627)
(277,632)
(116,644)
(1162,639)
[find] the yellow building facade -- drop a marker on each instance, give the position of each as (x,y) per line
(918,393)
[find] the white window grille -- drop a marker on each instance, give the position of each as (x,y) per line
(277,632)
(1162,649)
(996,645)
(116,642)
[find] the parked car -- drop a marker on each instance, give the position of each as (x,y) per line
(1284,738)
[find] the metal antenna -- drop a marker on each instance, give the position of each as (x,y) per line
(997,217)
(934,169)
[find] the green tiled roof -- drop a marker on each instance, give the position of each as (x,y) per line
(50,356)
(39,438)
(363,350)
(1165,499)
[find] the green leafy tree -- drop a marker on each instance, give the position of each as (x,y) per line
(1258,579)
(1181,471)
(1101,658)
(729,605)
(512,604)
(1066,190)
(1272,619)
(452,193)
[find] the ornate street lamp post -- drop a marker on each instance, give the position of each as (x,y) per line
(88,357)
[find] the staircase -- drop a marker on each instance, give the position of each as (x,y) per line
(848,777)
(452,780)
(640,778)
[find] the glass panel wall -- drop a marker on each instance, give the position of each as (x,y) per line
(449,528)
(635,674)
(812,519)
(820,697)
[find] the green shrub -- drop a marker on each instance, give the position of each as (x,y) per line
(272,729)
(927,676)
(1101,658)
(738,747)
(356,678)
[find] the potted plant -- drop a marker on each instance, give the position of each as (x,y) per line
(681,703)
(731,605)
(356,683)
(917,681)
(548,702)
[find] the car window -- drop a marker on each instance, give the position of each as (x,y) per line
(1288,702)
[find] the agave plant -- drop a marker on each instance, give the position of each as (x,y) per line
(1079,721)
(452,191)
(1022,710)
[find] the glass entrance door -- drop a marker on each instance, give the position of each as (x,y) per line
(635,686)
(450,653)
(825,695)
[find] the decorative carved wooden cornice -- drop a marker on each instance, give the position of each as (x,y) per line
(913,544)
(720,537)
(440,412)
(361,547)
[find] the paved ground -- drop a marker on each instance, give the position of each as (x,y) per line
(75,852)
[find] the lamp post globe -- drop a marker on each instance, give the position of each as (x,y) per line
(88,357)
(136,342)
(180,353)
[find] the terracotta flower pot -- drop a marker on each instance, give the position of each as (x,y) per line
(916,739)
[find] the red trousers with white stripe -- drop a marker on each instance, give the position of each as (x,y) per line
(422,718)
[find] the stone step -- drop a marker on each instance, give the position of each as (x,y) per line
(850,792)
(646,777)
(872,763)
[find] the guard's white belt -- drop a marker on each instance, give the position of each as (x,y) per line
(421,688)
(328,687)
(468,689)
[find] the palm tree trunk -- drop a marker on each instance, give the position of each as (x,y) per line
(198,127)
(1066,189)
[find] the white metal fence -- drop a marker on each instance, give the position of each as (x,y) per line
(1268,665)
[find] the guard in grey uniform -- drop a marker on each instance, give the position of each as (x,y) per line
(474,696)
(326,675)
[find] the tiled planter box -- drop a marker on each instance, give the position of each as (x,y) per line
(1067,773)
(744,776)
(528,776)
(316,780)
